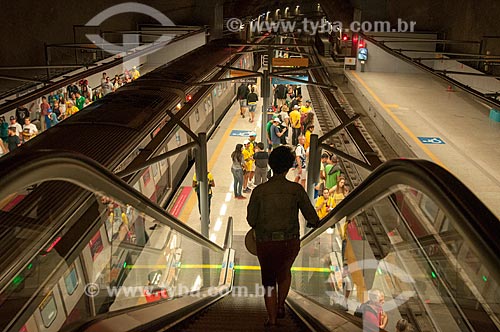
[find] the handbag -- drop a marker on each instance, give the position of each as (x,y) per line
(250,242)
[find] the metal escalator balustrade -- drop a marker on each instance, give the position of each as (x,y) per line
(440,267)
(122,252)
(440,271)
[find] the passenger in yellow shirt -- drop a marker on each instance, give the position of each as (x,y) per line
(135,73)
(295,122)
(70,109)
(248,157)
(308,133)
(196,187)
(324,204)
(306,108)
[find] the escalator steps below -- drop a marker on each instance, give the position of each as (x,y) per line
(237,313)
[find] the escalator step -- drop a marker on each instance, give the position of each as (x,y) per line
(235,314)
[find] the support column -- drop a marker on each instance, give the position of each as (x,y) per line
(313,166)
(202,177)
(264,88)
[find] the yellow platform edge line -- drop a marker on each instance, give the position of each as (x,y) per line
(400,123)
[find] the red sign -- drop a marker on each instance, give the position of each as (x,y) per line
(179,201)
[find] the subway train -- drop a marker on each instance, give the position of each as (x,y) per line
(83,233)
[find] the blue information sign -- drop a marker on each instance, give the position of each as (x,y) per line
(240,133)
(363,54)
(431,140)
(277,80)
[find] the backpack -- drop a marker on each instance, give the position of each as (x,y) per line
(281,91)
(302,159)
(242,92)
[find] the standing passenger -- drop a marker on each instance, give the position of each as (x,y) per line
(211,183)
(248,158)
(261,158)
(300,156)
(295,123)
(276,133)
(242,97)
(44,111)
(17,126)
(13,140)
(252,99)
(277,234)
(237,171)
(22,112)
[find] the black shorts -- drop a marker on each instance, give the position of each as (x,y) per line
(276,259)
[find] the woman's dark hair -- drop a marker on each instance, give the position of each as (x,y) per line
(281,159)
(237,154)
(261,146)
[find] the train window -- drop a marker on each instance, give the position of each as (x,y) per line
(429,207)
(445,226)
(71,280)
(48,310)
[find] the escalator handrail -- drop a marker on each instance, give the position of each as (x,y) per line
(19,171)
(474,221)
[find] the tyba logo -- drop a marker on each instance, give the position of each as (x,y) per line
(130,41)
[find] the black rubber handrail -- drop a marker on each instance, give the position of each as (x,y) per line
(473,220)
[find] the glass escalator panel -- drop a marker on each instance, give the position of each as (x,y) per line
(405,247)
(105,256)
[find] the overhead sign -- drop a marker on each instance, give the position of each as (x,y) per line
(250,80)
(241,133)
(350,61)
(276,80)
(431,140)
(290,62)
(238,73)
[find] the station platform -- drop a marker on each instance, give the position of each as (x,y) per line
(422,117)
(223,203)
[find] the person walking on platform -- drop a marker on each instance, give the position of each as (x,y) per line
(252,99)
(261,158)
(242,97)
(238,164)
(277,234)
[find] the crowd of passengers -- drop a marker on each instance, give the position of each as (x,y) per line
(291,119)
(55,107)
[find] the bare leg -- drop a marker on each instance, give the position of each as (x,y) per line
(283,288)
(245,180)
(270,301)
